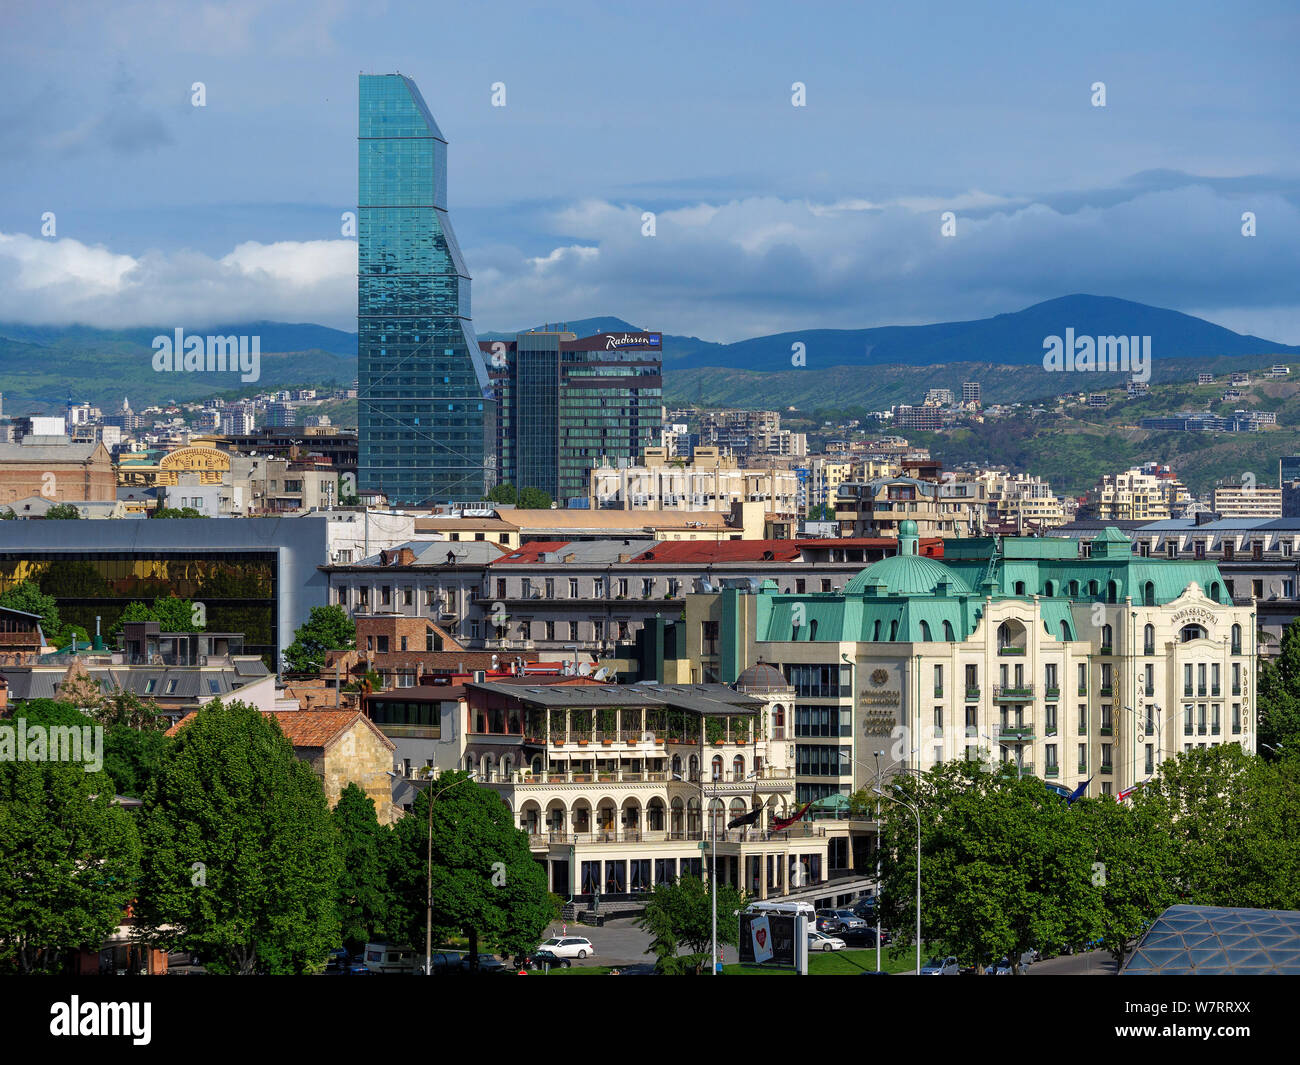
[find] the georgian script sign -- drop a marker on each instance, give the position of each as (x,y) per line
(886,698)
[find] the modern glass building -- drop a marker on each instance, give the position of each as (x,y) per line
(426,419)
(565,403)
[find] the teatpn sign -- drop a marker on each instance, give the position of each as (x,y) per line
(767,938)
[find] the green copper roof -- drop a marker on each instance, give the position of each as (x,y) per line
(907,575)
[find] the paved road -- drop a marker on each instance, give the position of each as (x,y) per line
(1093,963)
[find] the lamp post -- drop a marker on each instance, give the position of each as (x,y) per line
(915,813)
(713,871)
(879,887)
(428,883)
(1020,775)
(1160,745)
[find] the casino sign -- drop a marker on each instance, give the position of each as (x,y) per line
(211,464)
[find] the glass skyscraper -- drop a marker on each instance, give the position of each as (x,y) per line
(566,403)
(426,420)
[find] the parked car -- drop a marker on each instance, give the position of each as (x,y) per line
(444,961)
(544,956)
(1002,967)
(821,941)
(828,922)
(568,947)
(337,961)
(487,964)
(865,908)
(850,921)
(941,967)
(359,968)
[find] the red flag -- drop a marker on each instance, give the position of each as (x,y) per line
(778,826)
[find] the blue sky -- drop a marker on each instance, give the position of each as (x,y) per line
(769,217)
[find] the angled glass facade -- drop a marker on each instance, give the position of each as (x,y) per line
(426,419)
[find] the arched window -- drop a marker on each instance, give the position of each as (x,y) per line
(893,631)
(1065,631)
(1149,594)
(1191,632)
(1236,639)
(875,631)
(717,767)
(1074,589)
(1214,590)
(677,765)
(778,722)
(812,629)
(1149,640)
(925,632)
(1107,636)
(948,634)
(1020,587)
(1092,589)
(1049,588)
(738,768)
(1112,592)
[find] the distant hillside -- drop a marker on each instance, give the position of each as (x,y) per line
(844,368)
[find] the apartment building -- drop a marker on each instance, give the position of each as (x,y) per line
(1236,501)
(712,480)
(949,508)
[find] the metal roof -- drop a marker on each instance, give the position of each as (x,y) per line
(707,700)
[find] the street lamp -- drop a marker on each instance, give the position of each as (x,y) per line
(905,769)
(428,883)
(1020,774)
(713,870)
(1160,746)
(915,813)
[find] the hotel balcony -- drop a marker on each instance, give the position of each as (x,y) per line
(1016,731)
(1017,694)
(766,781)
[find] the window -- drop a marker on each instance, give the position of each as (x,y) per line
(1106,762)
(1083,719)
(1150,763)
(573,587)
(1106,714)
(1214,719)
(1049,712)
(938,680)
(381,644)
(1083,758)
(214,686)
(972,678)
(403,643)
(408,596)
(1236,719)
(1236,640)
(1187,719)
(1187,679)
(1083,678)
(1149,640)
(938,723)
(1049,752)
(386,595)
(573,630)
(171,686)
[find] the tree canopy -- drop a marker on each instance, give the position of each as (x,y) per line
(362,899)
(523,498)
(681,915)
(69,858)
(241,862)
(1277,696)
(327,628)
(486,884)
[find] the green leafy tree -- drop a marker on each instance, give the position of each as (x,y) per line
(1233,819)
(241,859)
(1277,696)
(486,884)
(1005,865)
(681,915)
(69,858)
(363,895)
(1134,866)
(523,498)
(28,597)
(63,512)
(327,628)
(175,512)
(133,757)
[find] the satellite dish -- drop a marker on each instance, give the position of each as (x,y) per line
(602,673)
(584,670)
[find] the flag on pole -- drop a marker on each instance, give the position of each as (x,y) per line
(778,826)
(1079,792)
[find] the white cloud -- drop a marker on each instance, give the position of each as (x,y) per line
(62,281)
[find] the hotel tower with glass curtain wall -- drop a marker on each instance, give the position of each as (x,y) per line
(426,416)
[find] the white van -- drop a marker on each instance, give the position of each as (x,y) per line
(786,907)
(386,958)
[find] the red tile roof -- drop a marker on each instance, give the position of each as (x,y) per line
(531,552)
(309,728)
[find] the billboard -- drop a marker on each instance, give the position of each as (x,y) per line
(768,938)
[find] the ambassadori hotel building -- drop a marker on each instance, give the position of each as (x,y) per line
(1077,664)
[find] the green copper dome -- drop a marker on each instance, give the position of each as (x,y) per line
(907,573)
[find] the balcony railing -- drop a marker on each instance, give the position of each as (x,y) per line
(1012,693)
(973,693)
(1106,767)
(1052,770)
(1011,650)
(1051,692)
(1017,732)
(1105,649)
(1106,690)
(1105,730)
